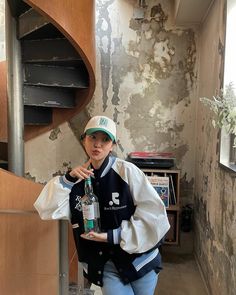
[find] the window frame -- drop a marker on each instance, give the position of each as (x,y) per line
(227,151)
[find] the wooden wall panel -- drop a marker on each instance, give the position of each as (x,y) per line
(17,192)
(29,256)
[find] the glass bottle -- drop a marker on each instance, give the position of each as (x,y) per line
(90,207)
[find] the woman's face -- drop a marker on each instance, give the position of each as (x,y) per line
(98,145)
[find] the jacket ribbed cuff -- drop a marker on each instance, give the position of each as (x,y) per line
(70,178)
(114,236)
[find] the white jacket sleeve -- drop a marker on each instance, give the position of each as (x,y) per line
(53,201)
(149,223)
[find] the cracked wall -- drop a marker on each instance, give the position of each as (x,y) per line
(146,81)
(215,188)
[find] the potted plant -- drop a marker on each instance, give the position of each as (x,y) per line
(224,108)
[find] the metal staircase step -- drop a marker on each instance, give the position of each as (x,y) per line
(3,164)
(37,115)
(49,50)
(18,7)
(29,22)
(55,76)
(4,151)
(48,31)
(49,96)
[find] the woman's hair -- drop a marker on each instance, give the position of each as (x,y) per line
(82,136)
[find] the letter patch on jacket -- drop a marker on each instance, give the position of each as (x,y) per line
(115,199)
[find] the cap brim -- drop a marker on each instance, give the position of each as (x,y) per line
(92,130)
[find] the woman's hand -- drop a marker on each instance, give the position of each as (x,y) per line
(93,236)
(82,172)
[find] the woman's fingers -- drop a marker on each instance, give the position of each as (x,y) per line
(82,172)
(93,236)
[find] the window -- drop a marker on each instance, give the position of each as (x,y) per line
(227,151)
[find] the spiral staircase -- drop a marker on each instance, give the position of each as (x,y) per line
(56,80)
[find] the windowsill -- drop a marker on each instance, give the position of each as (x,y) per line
(229,168)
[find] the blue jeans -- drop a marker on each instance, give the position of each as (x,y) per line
(112,283)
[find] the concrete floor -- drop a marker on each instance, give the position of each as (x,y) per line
(180,276)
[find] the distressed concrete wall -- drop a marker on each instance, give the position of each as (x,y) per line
(146,81)
(215,188)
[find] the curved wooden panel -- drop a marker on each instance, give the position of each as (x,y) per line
(3,102)
(76,20)
(29,246)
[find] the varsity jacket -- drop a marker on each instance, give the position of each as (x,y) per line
(132,214)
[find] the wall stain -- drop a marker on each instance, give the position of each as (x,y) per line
(163,59)
(105,54)
(163,131)
(164,51)
(30,177)
(77,123)
(158,13)
(179,151)
(190,59)
(221,51)
(33,178)
(187,189)
(54,134)
(122,63)
(65,167)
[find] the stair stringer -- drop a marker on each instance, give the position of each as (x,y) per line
(76,20)
(3,103)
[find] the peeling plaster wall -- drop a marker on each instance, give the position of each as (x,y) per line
(52,154)
(215,188)
(146,81)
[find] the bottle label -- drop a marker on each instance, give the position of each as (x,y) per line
(88,212)
(96,209)
(89,224)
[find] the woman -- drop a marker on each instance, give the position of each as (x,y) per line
(124,258)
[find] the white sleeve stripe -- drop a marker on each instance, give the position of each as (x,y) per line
(149,258)
(116,236)
(108,167)
(65,183)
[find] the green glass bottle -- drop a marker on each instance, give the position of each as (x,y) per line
(90,207)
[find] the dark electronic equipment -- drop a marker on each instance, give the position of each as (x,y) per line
(152,160)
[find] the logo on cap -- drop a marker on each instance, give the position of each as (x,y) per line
(103,122)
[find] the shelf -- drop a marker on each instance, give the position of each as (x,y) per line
(173,208)
(170,179)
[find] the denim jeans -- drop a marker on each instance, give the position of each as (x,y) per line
(112,283)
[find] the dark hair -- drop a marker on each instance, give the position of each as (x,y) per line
(82,136)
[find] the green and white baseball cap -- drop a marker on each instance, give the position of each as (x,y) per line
(101,123)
